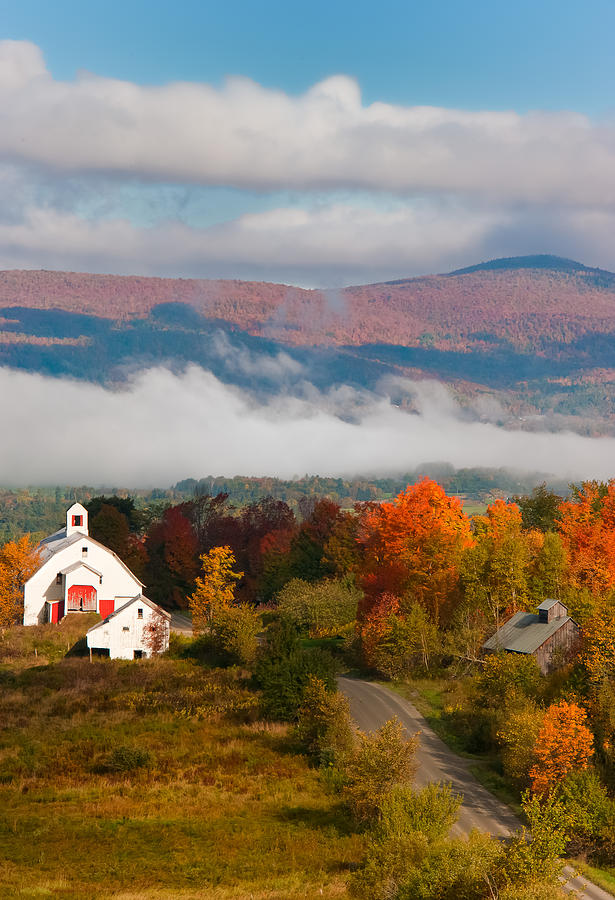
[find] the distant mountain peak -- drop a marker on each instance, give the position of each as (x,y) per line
(537,261)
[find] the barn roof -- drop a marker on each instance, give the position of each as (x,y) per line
(56,542)
(524,633)
(547,604)
(140,598)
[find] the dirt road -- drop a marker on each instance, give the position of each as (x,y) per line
(371,705)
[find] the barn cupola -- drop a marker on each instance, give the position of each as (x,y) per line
(550,610)
(76,520)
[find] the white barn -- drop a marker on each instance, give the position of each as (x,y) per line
(77,574)
(127,632)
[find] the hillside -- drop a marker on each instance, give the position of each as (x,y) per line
(529,302)
(536,332)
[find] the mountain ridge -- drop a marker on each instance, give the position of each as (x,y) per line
(525,301)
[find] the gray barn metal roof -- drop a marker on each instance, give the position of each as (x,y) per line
(524,633)
(547,604)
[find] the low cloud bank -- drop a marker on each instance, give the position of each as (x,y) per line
(329,245)
(163,427)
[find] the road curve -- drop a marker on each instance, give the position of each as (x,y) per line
(371,705)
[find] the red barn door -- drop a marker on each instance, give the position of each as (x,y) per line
(81,598)
(56,611)
(106,608)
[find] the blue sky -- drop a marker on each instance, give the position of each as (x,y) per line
(322,145)
(474,54)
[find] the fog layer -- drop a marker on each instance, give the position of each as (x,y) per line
(163,427)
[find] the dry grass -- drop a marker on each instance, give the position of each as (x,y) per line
(216,804)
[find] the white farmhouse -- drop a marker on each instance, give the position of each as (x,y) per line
(136,630)
(77,574)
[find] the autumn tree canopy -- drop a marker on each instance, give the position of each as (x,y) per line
(587,527)
(19,560)
(215,587)
(413,545)
(565,744)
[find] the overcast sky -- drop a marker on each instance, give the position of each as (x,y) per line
(323,145)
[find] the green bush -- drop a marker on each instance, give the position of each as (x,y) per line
(382,762)
(408,644)
(324,727)
(283,670)
(127,759)
(320,609)
(431,811)
(520,723)
(508,675)
(590,814)
(234,633)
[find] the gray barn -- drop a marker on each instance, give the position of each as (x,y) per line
(549,636)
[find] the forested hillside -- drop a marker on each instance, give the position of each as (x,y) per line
(535,333)
(527,302)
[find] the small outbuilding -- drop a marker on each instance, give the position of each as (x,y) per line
(137,629)
(549,636)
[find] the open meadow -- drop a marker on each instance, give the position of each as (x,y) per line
(154,779)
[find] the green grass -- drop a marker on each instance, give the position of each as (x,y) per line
(604,878)
(429,695)
(433,697)
(209,801)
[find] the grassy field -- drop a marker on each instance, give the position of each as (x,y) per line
(156,779)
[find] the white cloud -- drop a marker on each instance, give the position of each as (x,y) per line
(246,135)
(165,427)
(320,246)
(327,243)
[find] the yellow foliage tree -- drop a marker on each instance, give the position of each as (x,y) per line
(520,726)
(19,560)
(599,644)
(215,587)
(565,744)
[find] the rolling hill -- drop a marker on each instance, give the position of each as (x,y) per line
(538,331)
(529,302)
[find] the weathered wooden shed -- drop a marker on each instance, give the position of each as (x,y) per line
(549,635)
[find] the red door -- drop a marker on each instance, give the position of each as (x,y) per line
(57,611)
(81,598)
(106,607)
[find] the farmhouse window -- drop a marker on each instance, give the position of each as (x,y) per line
(77,520)
(59,578)
(126,628)
(139,614)
(84,551)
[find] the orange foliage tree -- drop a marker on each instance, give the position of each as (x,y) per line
(565,744)
(587,526)
(412,546)
(19,560)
